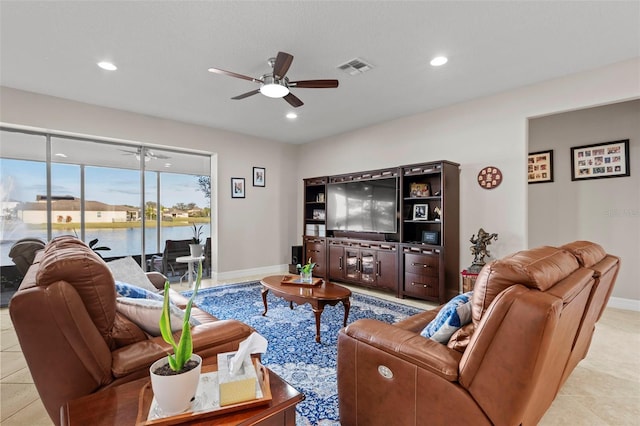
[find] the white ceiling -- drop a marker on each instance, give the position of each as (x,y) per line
(163,50)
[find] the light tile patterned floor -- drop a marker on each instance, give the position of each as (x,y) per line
(603,390)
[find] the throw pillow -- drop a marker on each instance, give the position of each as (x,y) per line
(128,271)
(145,313)
(135,292)
(453,315)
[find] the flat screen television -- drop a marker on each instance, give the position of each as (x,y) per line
(363,206)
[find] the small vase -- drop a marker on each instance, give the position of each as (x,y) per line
(196,250)
(174,393)
(306,277)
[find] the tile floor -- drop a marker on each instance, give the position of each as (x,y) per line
(603,390)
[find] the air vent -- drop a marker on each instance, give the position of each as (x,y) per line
(355,66)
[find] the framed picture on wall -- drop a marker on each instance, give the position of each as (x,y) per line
(602,160)
(259,176)
(540,167)
(237,187)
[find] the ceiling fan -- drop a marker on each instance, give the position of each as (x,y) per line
(275,84)
(148,154)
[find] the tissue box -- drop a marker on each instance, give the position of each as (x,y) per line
(239,387)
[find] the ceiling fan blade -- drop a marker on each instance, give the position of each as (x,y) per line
(233,74)
(283,62)
(314,84)
(246,95)
(293,100)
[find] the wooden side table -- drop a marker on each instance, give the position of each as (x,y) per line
(118,406)
(468,280)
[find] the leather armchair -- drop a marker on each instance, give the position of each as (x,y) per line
(74,341)
(533,314)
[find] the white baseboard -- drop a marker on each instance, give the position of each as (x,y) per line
(243,273)
(626,304)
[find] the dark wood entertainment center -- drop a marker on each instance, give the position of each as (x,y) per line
(420,260)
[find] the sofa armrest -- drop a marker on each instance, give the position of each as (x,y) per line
(214,337)
(407,345)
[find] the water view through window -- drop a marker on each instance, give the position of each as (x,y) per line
(94,191)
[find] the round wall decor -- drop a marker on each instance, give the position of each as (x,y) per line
(489,177)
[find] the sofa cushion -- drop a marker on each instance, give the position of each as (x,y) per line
(453,315)
(127,270)
(461,338)
(539,268)
(145,313)
(587,253)
(125,332)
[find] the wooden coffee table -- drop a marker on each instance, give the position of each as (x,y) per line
(318,296)
(118,406)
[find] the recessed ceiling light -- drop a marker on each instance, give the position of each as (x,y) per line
(438,60)
(59,154)
(292,115)
(167,164)
(107,66)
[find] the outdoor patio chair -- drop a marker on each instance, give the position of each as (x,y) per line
(23,252)
(173,249)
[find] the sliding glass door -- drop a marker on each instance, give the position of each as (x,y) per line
(131,198)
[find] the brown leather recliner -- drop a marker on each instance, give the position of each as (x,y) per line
(533,315)
(74,341)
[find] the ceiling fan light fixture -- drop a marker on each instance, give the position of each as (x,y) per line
(272,88)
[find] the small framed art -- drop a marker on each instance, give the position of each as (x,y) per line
(602,160)
(540,167)
(259,176)
(420,211)
(237,187)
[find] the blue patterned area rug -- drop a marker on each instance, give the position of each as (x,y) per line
(293,353)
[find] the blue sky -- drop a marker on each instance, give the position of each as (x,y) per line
(23,180)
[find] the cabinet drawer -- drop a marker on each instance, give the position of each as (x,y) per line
(421,285)
(421,264)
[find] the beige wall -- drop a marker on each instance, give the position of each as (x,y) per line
(602,210)
(258,230)
(254,232)
(491,131)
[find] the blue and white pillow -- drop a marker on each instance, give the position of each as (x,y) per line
(135,292)
(453,315)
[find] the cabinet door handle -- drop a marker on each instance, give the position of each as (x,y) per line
(422,285)
(359,265)
(378,268)
(340,263)
(424,265)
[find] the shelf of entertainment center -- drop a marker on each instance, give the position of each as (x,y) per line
(423,221)
(432,198)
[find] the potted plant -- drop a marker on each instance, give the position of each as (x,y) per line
(306,271)
(196,247)
(174,379)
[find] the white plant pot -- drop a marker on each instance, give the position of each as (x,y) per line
(174,393)
(196,250)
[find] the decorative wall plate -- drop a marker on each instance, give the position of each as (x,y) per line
(489,177)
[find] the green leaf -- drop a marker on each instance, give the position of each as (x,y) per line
(184,349)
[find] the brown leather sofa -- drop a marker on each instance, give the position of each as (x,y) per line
(533,316)
(74,341)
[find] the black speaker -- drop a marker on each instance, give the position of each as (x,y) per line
(296,255)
